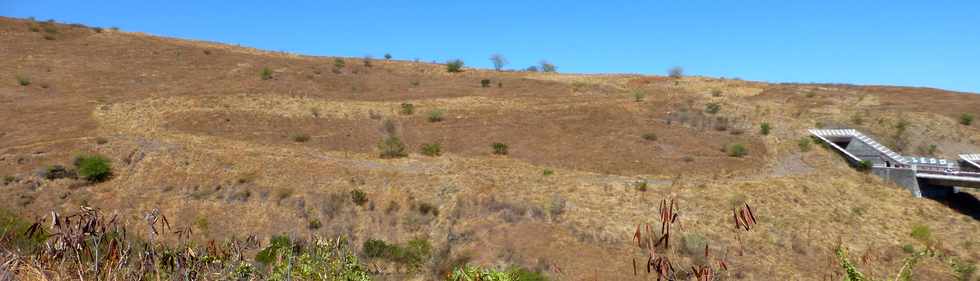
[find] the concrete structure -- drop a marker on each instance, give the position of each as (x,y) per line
(923,176)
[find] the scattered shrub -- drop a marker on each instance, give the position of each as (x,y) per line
(641,186)
(716,93)
(34,28)
(736,150)
(407,109)
(338,64)
(431,149)
(532,68)
(966,119)
(485,83)
(97,29)
(93,168)
(426,208)
(50,29)
(436,115)
(454,66)
(804,144)
(650,136)
(908,248)
(547,66)
(810,94)
(314,224)
(49,37)
(23,80)
(266,73)
(548,172)
(921,233)
(712,108)
(387,56)
(556,207)
(54,172)
(499,148)
(299,137)
(638,96)
(391,147)
(694,246)
(675,72)
(764,129)
(359,197)
(367,61)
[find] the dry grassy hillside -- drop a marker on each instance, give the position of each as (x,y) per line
(196,130)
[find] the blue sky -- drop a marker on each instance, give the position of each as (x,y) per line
(913,43)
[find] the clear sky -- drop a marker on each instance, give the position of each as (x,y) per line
(914,43)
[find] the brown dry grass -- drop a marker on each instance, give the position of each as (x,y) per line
(203,136)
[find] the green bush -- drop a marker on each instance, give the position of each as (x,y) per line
(454,66)
(864,165)
(359,197)
(300,137)
(764,128)
(387,56)
(471,273)
(23,80)
(921,233)
(712,108)
(650,136)
(641,186)
(966,119)
(392,147)
(736,150)
(14,233)
(408,109)
(338,63)
(93,168)
(548,172)
(266,73)
(804,144)
(908,248)
(277,245)
(499,148)
(431,149)
(413,254)
(523,274)
(485,83)
(436,115)
(374,248)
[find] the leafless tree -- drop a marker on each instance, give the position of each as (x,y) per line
(499,61)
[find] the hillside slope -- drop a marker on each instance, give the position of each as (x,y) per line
(195,130)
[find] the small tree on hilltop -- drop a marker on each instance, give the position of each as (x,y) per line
(548,66)
(454,66)
(498,61)
(676,72)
